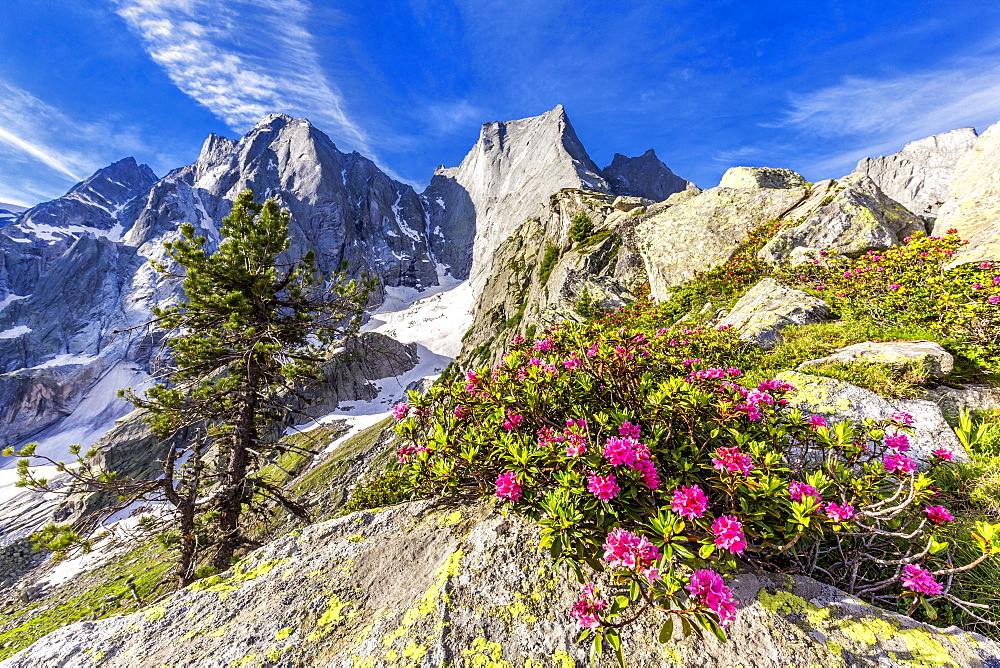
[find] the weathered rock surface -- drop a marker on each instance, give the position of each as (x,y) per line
(769,307)
(644,176)
(515,299)
(761,177)
(836,399)
(628,203)
(937,361)
(702,231)
(970,397)
(973,204)
(431,584)
(918,176)
(850,217)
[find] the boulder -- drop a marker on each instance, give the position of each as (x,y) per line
(936,360)
(849,217)
(969,397)
(624,203)
(761,177)
(769,307)
(704,230)
(973,204)
(431,584)
(837,400)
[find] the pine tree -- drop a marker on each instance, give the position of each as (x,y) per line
(250,328)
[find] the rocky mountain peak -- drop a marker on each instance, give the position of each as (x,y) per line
(644,176)
(918,175)
(506,178)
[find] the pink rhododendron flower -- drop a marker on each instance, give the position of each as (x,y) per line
(547,437)
(472,381)
(603,487)
(572,363)
(544,346)
(576,444)
(895,286)
(512,421)
(995,299)
(904,418)
(508,487)
(517,340)
(728,532)
(977,286)
(709,587)
(817,421)
(648,470)
(920,580)
(585,610)
(798,490)
(620,451)
(944,455)
(400,411)
(985,265)
(898,442)
(896,463)
(689,502)
(732,460)
(938,514)
(624,549)
(462,412)
(407,450)
(629,430)
(996,280)
(839,513)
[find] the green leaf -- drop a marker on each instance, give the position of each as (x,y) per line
(667,630)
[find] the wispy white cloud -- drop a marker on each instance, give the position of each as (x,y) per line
(46,151)
(864,117)
(243,59)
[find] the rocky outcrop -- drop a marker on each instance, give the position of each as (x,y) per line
(644,176)
(849,217)
(838,400)
(427,583)
(540,274)
(973,204)
(918,176)
(703,230)
(768,307)
(761,177)
(935,360)
(506,178)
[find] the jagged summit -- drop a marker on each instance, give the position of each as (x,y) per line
(918,175)
(506,178)
(644,176)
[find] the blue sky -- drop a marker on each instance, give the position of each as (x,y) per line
(812,86)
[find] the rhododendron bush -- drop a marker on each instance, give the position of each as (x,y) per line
(653,472)
(911,284)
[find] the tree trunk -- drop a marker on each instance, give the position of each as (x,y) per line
(235,487)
